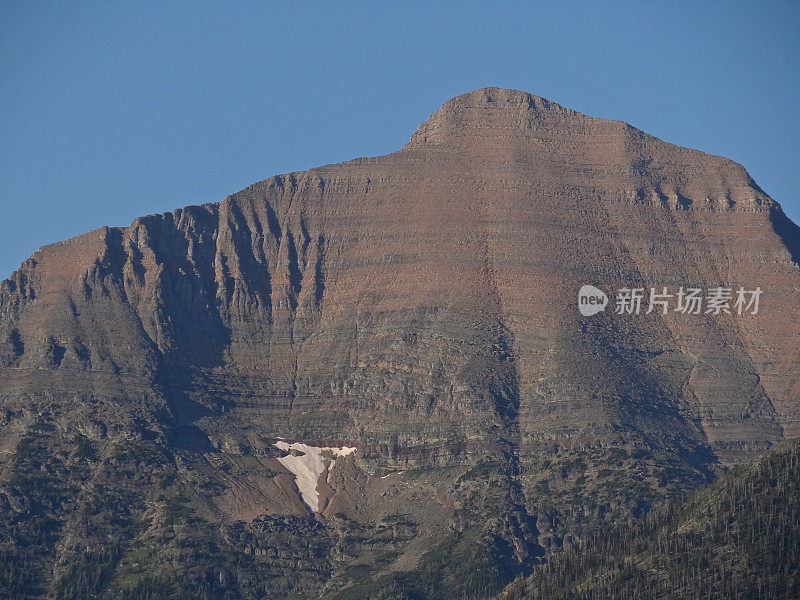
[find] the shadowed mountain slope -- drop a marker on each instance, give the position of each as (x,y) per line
(738,538)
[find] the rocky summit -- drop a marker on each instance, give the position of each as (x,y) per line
(372,379)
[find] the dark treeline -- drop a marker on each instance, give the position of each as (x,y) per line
(737,538)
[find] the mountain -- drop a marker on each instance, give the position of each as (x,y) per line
(738,538)
(377,370)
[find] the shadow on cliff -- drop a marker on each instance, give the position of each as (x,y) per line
(191,336)
(788,231)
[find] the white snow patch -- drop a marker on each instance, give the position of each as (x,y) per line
(343,451)
(309,466)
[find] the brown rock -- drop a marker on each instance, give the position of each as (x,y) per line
(421,306)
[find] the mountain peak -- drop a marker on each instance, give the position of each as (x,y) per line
(488,110)
(494,96)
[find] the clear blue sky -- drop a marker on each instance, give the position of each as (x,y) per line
(111,110)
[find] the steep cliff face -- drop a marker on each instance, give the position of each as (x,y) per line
(421,308)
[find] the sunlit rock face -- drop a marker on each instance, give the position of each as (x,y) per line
(421,307)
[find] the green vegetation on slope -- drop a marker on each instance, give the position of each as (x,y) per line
(106,519)
(737,538)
